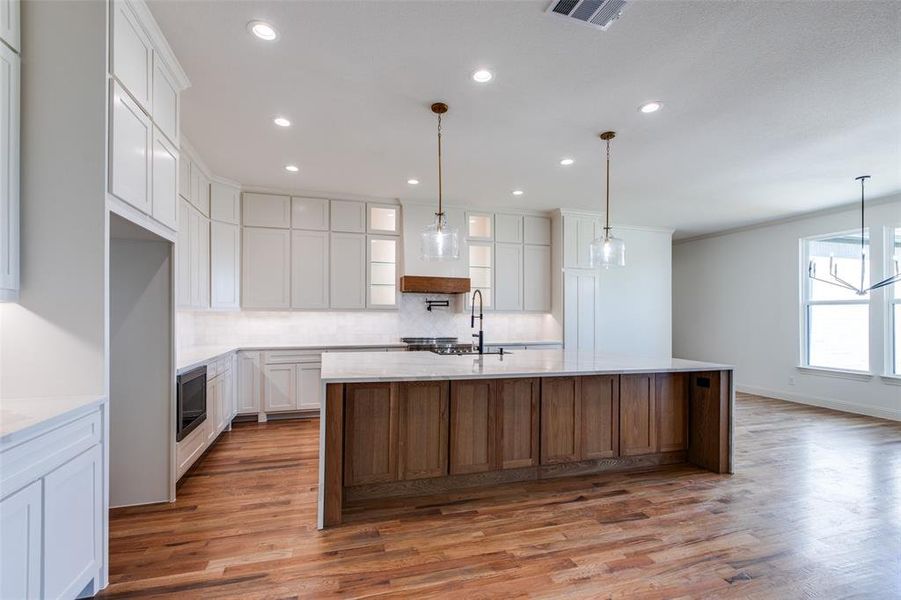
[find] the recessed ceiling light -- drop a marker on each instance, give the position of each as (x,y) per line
(413,181)
(517,192)
(292,168)
(483,76)
(650,107)
(263,30)
(281,122)
(566,162)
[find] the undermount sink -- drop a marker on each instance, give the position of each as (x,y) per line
(457,352)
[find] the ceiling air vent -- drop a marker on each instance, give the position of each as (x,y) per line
(599,14)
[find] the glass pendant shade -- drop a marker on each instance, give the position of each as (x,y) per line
(439,242)
(608,251)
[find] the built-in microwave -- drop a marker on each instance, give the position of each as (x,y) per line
(191,401)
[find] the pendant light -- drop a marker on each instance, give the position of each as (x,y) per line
(438,241)
(833,277)
(608,251)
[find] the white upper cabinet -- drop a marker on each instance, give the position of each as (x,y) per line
(200,190)
(184,176)
(536,278)
(225,253)
(132,56)
(9,172)
(508,276)
(348,270)
(200,297)
(9,23)
(265,270)
(578,231)
(225,203)
(309,269)
(382,259)
(383,218)
(348,216)
(164,166)
(165,101)
(310,213)
(130,151)
(508,228)
(267,210)
(537,230)
(183,255)
(479,226)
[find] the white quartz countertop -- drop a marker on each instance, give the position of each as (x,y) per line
(195,356)
(422,366)
(19,416)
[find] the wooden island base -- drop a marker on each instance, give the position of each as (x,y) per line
(412,438)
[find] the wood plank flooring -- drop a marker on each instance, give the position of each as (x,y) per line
(813,511)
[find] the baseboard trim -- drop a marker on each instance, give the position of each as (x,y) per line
(869,411)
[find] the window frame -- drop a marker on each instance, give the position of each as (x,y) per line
(806,304)
(892,300)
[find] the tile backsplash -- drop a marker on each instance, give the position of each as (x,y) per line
(202,328)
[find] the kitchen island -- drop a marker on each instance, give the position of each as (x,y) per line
(416,423)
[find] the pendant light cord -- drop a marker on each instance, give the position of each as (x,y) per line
(440,212)
(607,212)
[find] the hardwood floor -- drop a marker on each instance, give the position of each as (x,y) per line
(814,510)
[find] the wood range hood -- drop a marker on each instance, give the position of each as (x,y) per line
(420,284)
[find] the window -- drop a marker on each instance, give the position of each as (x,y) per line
(836,322)
(894,295)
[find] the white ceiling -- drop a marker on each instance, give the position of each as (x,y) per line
(771,108)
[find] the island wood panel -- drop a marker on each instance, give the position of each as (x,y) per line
(637,415)
(422,427)
(561,409)
(710,397)
(472,426)
(672,411)
(600,416)
(333,449)
(370,433)
(517,422)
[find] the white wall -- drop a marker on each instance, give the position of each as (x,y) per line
(52,342)
(736,300)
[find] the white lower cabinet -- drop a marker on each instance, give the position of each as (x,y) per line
(51,511)
(309,386)
(220,409)
(292,381)
(279,388)
(213,408)
(20,544)
(248,395)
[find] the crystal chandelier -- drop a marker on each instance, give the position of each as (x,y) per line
(608,251)
(437,240)
(833,276)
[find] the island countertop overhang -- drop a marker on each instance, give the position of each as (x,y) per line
(354,367)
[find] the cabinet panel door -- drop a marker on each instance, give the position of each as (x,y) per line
(20,544)
(370,433)
(213,407)
(578,232)
(508,277)
(164,168)
(537,278)
(600,416)
(423,423)
(310,213)
(225,203)
(266,210)
(383,218)
(672,411)
(183,250)
(225,246)
(130,152)
(132,55)
(309,269)
(165,100)
(348,216)
(560,420)
(517,422)
(637,415)
(347,280)
(264,270)
(536,230)
(200,192)
(9,166)
(184,176)
(201,261)
(279,388)
(508,228)
(9,25)
(309,386)
(248,383)
(472,426)
(73,505)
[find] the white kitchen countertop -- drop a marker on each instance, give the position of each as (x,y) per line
(195,356)
(18,416)
(422,366)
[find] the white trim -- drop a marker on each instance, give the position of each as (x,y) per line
(504,210)
(839,405)
(161,45)
(840,373)
(260,189)
(891,379)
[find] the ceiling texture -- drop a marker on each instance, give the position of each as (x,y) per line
(770,108)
